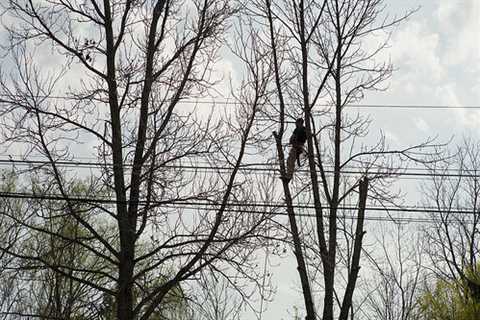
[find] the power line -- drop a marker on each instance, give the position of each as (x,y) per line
(341,216)
(255,164)
(262,168)
(201,206)
(234,103)
(205,203)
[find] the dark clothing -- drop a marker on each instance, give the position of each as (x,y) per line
(299,136)
(294,153)
(297,140)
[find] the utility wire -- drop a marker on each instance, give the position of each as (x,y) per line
(262,168)
(229,102)
(207,206)
(205,203)
(395,219)
(254,164)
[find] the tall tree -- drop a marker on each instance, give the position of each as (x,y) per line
(392,289)
(453,192)
(11,292)
(49,294)
(322,64)
(110,76)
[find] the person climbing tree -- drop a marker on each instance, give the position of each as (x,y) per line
(297,140)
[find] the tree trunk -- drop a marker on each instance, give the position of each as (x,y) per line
(357,248)
(297,245)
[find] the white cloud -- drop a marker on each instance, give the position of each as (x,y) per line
(421,124)
(446,95)
(391,138)
(445,11)
(463,118)
(415,50)
(225,73)
(459,21)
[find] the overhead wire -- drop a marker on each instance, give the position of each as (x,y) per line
(224,101)
(22,158)
(395,219)
(253,167)
(241,207)
(90,164)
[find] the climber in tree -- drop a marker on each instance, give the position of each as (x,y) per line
(297,140)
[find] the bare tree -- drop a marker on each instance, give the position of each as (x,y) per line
(453,194)
(392,292)
(120,72)
(219,301)
(321,65)
(10,287)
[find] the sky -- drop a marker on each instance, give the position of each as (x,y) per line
(435,54)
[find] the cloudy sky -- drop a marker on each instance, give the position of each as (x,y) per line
(435,54)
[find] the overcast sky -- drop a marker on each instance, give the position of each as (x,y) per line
(436,54)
